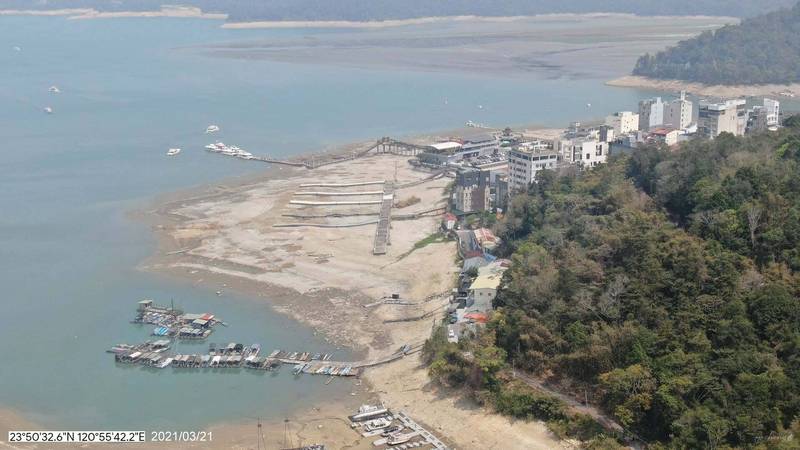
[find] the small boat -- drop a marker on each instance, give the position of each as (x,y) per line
(212,129)
(173,151)
(54,89)
(377,424)
(298,368)
(48,110)
(392,430)
(367,412)
(121,348)
(397,439)
(166,362)
(254,349)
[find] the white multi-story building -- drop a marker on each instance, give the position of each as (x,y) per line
(651,113)
(623,122)
(729,116)
(525,161)
(678,112)
(772,111)
(584,153)
(766,117)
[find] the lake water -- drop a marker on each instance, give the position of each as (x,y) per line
(132,88)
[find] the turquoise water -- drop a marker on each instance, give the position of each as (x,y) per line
(131,88)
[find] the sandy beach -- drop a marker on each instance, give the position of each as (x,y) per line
(778,90)
(226,236)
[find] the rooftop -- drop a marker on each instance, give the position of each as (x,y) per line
(487,281)
(721,106)
(444,146)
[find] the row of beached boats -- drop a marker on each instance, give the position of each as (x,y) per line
(379,421)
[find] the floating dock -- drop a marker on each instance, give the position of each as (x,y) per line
(233,355)
(174,323)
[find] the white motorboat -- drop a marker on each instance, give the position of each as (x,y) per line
(377,424)
(48,110)
(212,129)
(173,151)
(166,362)
(54,89)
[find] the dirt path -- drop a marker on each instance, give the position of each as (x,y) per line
(573,404)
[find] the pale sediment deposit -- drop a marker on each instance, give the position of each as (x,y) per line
(326,277)
(755,90)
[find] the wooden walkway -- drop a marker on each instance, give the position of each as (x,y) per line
(384,221)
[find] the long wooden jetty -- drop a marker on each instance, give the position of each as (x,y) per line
(384,145)
(231,356)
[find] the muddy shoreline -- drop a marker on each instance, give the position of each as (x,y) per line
(776,90)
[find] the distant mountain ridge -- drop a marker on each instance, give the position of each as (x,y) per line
(375,10)
(760,50)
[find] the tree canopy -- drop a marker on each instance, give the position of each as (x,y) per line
(667,284)
(760,50)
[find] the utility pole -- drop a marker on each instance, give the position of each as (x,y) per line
(259,433)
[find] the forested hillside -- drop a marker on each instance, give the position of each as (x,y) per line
(666,285)
(361,10)
(761,50)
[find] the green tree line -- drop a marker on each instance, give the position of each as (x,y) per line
(666,284)
(760,50)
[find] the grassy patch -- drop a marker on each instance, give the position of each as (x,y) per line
(435,238)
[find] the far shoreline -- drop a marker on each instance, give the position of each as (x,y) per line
(91,13)
(723,91)
(177,11)
(388,23)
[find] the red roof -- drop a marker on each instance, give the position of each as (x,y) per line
(662,131)
(478,317)
(450,216)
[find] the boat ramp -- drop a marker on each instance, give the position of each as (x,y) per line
(392,430)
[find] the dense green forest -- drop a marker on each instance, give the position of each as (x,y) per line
(666,284)
(361,10)
(760,50)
